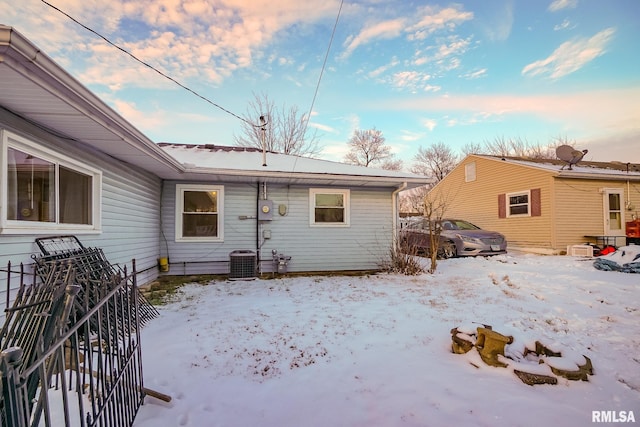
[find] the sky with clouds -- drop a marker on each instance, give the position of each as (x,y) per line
(421,72)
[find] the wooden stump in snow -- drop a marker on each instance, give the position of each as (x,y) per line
(490,345)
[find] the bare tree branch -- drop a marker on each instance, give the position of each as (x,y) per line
(412,201)
(472,148)
(498,147)
(392,164)
(286,130)
(518,147)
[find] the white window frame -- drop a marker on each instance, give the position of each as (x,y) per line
(11,140)
(312,207)
(180,189)
(518,193)
(470,172)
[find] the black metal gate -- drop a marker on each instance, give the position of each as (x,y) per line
(71,344)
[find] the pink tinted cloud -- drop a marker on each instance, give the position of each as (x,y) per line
(571,56)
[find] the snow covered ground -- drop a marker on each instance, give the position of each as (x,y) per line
(376,350)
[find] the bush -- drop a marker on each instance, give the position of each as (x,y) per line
(403,259)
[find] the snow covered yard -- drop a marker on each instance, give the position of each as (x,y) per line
(376,350)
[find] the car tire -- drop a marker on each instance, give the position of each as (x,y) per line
(448,250)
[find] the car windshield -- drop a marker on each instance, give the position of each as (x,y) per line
(457,224)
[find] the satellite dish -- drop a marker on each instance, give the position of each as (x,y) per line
(568,154)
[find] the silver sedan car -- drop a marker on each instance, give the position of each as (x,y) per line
(457,238)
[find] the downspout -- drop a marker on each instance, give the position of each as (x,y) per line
(394,226)
(163,262)
(628,204)
(258,229)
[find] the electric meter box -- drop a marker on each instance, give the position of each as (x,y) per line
(265,210)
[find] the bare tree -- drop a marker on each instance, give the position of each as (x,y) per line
(434,210)
(392,164)
(367,148)
(412,201)
(518,147)
(435,161)
(542,152)
(472,148)
(500,146)
(285,131)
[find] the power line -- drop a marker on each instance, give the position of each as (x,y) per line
(148,65)
(324,64)
(315,93)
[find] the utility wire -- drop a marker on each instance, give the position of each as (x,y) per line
(315,94)
(324,64)
(148,65)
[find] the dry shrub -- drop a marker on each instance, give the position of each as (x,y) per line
(403,259)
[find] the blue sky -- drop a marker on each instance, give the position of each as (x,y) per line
(458,73)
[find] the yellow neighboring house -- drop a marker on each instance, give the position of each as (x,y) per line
(541,205)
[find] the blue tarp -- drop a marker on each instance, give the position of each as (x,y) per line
(625,259)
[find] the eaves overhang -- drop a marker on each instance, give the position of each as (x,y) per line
(301,178)
(36,89)
(610,171)
(598,176)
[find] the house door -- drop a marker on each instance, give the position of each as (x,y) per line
(613,212)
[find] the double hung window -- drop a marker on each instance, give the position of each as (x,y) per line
(199,213)
(329,207)
(518,204)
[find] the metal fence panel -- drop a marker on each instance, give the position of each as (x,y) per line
(71,343)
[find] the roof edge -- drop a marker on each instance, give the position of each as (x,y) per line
(628,167)
(393,181)
(17,51)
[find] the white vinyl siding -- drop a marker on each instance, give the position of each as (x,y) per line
(129,207)
(210,257)
(362,246)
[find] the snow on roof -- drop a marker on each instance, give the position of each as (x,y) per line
(250,160)
(604,169)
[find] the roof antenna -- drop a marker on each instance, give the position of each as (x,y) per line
(570,155)
(263,129)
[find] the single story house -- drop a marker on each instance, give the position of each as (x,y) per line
(325,216)
(542,205)
(70,165)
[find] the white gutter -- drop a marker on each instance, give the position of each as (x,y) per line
(394,226)
(381,180)
(19,54)
(622,176)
